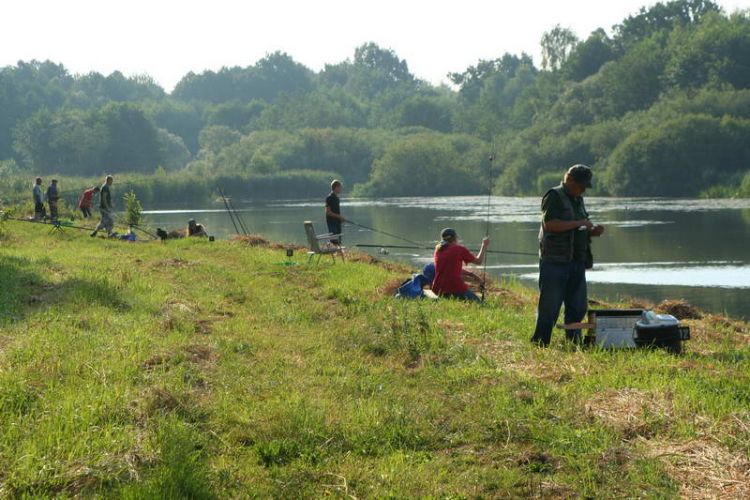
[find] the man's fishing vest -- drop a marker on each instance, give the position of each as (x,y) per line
(558,247)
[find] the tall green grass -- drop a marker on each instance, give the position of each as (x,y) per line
(192,369)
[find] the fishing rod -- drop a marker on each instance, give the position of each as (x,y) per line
(140,228)
(229,211)
(71,192)
(239,218)
(63,225)
(233,213)
(53,224)
(383,232)
(124,221)
(409,247)
(482,286)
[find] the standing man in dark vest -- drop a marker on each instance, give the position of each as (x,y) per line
(333,211)
(106,208)
(565,254)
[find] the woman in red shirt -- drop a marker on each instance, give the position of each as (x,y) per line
(450,257)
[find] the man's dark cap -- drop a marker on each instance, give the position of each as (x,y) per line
(581,174)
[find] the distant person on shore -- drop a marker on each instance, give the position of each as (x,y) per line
(195,229)
(564,254)
(334,219)
(106,208)
(52,198)
(39,211)
(450,257)
(86,201)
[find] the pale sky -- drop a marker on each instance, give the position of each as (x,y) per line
(168,38)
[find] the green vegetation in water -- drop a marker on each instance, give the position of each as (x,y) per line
(659,106)
(205,370)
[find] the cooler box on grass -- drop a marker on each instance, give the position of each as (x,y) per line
(631,328)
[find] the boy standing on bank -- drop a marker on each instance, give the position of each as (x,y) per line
(334,220)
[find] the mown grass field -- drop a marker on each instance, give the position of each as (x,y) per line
(208,370)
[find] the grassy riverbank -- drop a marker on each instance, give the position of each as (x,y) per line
(202,369)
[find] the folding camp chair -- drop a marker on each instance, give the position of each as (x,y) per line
(314,241)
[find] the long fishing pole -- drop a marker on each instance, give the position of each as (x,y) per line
(53,224)
(383,232)
(239,218)
(124,221)
(148,233)
(233,213)
(72,226)
(483,286)
(229,211)
(410,247)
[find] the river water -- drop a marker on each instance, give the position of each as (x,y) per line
(697,250)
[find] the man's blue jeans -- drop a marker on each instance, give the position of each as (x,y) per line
(560,283)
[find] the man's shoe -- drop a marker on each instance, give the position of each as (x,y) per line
(93,234)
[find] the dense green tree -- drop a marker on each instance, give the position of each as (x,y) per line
(632,82)
(95,89)
(423,164)
(320,109)
(132,141)
(173,154)
(275,74)
(184,119)
(588,56)
(661,17)
(472,80)
(716,52)
(236,114)
(430,112)
(383,63)
(497,95)
(215,138)
(25,89)
(557,44)
(373,70)
(350,152)
(681,157)
(64,142)
(116,138)
(208,86)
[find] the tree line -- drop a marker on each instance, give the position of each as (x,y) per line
(658,105)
